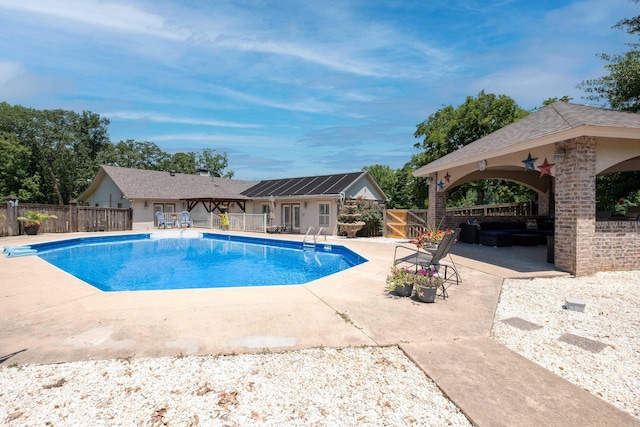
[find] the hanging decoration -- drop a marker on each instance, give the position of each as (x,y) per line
(441,185)
(529,163)
(447,177)
(545,168)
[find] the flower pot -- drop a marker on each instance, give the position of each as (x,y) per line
(426,293)
(403,290)
(31,230)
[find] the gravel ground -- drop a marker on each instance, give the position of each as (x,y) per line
(607,362)
(323,387)
(348,387)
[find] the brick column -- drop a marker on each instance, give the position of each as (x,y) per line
(575,206)
(431,209)
(437,202)
(543,203)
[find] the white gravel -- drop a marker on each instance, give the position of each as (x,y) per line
(332,387)
(611,317)
(323,387)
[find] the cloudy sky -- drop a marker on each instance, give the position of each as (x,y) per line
(296,88)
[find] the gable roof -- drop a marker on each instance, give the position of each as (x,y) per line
(149,184)
(324,185)
(555,122)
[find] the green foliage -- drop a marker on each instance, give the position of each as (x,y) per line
(32,218)
(620,89)
(449,129)
(51,156)
(617,191)
(371,213)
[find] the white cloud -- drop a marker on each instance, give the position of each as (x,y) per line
(162,118)
(108,15)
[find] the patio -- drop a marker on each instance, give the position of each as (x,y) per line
(50,317)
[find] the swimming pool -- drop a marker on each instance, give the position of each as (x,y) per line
(191,259)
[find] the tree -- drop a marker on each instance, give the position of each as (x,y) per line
(385,176)
(14,178)
(214,163)
(620,89)
(135,155)
(63,148)
(449,129)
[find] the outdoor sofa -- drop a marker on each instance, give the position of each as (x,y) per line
(508,233)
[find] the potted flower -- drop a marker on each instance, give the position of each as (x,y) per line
(431,237)
(224,221)
(400,281)
(426,283)
(32,221)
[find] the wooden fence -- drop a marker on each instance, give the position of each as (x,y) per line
(71,218)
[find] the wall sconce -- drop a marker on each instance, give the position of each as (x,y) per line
(305,205)
(146,204)
(558,156)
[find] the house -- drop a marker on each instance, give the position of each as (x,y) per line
(297,203)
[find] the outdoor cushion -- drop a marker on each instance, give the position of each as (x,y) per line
(496,238)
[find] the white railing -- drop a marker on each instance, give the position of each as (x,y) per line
(236,222)
(248,222)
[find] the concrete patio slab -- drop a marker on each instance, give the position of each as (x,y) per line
(48,316)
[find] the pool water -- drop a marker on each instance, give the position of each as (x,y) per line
(193,260)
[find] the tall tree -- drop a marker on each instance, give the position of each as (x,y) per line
(63,146)
(450,128)
(620,89)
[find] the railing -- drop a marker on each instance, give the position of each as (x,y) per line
(503,209)
(236,222)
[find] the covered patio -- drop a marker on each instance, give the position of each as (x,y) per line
(557,151)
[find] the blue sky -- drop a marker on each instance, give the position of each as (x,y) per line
(296,88)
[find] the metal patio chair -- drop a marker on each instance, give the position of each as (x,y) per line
(432,260)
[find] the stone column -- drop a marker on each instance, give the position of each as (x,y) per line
(575,206)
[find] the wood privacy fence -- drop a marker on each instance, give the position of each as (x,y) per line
(70,219)
(402,223)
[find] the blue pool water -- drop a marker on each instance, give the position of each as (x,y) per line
(192,260)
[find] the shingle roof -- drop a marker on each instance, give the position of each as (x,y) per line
(148,184)
(304,186)
(553,118)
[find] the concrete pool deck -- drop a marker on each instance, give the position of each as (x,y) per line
(48,316)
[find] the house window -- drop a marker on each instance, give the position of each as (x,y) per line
(265,209)
(323,220)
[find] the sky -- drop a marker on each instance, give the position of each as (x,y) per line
(296,88)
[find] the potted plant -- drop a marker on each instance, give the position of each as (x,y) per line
(400,281)
(426,283)
(431,237)
(224,221)
(32,221)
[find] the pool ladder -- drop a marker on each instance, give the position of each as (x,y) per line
(312,245)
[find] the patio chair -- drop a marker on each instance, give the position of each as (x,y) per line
(432,260)
(161,221)
(185,219)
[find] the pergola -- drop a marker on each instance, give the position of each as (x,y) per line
(557,151)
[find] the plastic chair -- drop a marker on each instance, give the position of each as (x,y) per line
(185,219)
(161,221)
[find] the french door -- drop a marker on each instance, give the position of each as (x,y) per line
(291,216)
